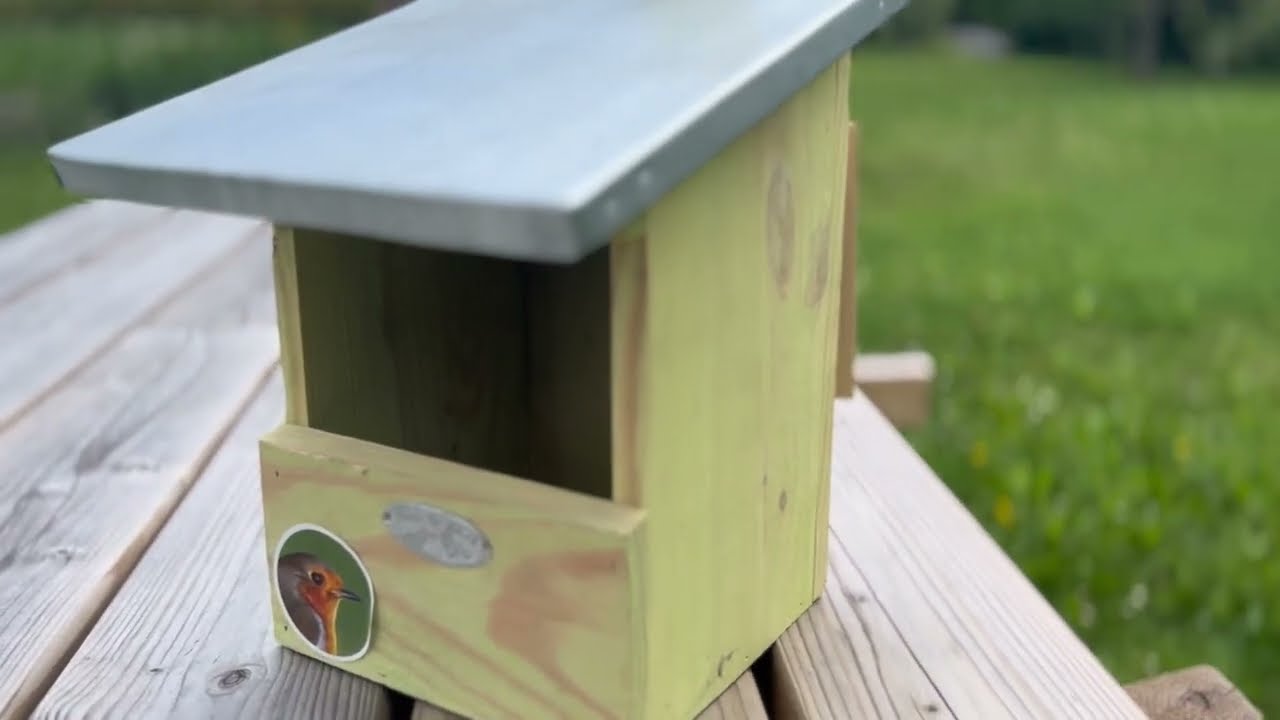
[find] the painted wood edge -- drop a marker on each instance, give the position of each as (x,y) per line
(742,701)
(844,327)
(848,340)
(284,262)
(628,284)
(345,455)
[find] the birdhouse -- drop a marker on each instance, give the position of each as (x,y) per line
(558,286)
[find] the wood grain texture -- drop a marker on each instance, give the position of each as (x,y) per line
(1200,692)
(724,319)
(847,348)
(568,356)
(924,615)
(59,324)
(69,238)
(284,266)
(548,628)
(741,701)
(410,348)
(188,633)
(492,363)
(89,474)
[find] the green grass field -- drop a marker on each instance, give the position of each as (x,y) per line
(1091,261)
(1094,264)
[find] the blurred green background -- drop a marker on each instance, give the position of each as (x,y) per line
(1073,205)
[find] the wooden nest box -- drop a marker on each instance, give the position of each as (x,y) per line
(558,286)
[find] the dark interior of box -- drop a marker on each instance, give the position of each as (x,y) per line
(496,364)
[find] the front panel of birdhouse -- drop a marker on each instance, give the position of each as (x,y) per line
(586,490)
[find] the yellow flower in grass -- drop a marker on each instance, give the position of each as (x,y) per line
(1182,449)
(1004,511)
(978,454)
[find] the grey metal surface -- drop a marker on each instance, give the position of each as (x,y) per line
(529,129)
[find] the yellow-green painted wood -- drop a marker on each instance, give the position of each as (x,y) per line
(285,269)
(551,627)
(847,347)
(686,373)
(725,329)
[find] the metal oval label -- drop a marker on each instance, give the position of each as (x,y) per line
(437,535)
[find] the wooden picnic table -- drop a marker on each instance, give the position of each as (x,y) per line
(139,369)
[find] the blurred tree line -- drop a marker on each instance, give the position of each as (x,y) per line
(1215,36)
(324,11)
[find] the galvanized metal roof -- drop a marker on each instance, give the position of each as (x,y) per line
(530,129)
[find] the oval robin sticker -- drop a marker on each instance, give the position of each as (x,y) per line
(325,592)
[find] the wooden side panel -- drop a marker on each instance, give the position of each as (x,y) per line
(285,267)
(550,627)
(725,324)
(405,347)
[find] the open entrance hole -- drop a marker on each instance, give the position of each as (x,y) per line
(496,364)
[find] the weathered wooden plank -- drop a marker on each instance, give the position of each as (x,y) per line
(68,238)
(899,384)
(740,702)
(546,625)
(89,474)
(924,615)
(725,333)
(191,639)
(847,640)
(54,328)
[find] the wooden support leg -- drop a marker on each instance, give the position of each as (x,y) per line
(1194,693)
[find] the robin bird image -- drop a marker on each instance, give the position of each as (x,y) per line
(312,592)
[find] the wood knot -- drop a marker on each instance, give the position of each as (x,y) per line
(233,678)
(724,660)
(225,681)
(820,272)
(1198,698)
(780,224)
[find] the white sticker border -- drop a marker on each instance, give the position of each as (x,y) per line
(275,583)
